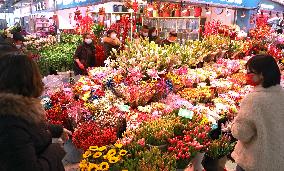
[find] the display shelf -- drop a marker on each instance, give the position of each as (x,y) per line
(188,28)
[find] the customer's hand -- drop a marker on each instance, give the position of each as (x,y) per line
(81,66)
(65,135)
(226,127)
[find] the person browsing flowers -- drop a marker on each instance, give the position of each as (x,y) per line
(259,124)
(25,136)
(84,56)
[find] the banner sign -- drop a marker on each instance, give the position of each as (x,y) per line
(62,4)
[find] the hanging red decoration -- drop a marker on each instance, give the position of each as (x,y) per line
(78,15)
(197,11)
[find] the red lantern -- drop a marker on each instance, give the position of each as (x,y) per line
(197,11)
(78,15)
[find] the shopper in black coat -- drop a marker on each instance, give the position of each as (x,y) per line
(25,137)
(111,42)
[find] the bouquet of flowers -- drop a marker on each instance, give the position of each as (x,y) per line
(220,147)
(103,158)
(90,133)
(156,132)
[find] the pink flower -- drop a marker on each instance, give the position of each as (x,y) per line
(141,142)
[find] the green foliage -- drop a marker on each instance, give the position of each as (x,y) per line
(59,56)
(97,29)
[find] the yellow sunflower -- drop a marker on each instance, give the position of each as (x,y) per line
(93,166)
(105,157)
(97,155)
(104,166)
(87,154)
(113,159)
(83,165)
(118,145)
(111,152)
(122,152)
(103,148)
(93,148)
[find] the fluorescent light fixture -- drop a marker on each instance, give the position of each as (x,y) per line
(267,6)
(208,12)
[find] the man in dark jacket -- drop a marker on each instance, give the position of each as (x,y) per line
(172,38)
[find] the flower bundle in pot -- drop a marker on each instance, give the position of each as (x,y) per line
(215,157)
(156,132)
(103,158)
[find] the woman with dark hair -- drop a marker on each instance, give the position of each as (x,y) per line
(25,137)
(84,55)
(110,42)
(258,125)
(172,38)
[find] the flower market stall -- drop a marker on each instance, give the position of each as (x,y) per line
(161,108)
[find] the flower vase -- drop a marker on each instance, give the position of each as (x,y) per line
(177,13)
(166,14)
(183,164)
(211,164)
(155,13)
(197,162)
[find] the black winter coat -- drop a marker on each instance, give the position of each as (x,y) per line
(25,138)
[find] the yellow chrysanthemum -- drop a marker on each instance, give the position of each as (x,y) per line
(93,166)
(103,148)
(118,145)
(122,152)
(111,152)
(97,155)
(113,159)
(93,148)
(104,166)
(87,154)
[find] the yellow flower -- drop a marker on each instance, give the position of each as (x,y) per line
(93,166)
(113,159)
(87,154)
(83,165)
(97,155)
(122,152)
(111,152)
(103,148)
(93,148)
(104,166)
(124,170)
(105,157)
(118,145)
(86,96)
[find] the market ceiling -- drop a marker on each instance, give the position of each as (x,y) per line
(7,6)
